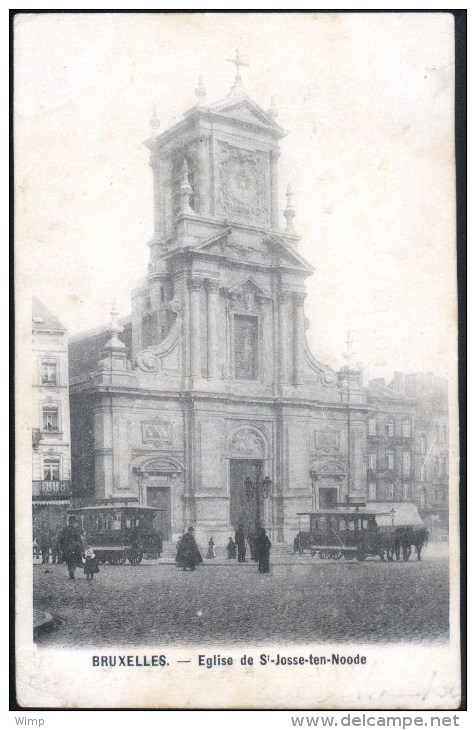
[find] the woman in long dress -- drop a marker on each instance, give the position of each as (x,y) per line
(262,548)
(188,554)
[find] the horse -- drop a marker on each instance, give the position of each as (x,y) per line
(405,537)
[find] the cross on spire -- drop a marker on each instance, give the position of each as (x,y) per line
(237,62)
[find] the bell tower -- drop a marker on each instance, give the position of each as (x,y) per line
(221,266)
(219,165)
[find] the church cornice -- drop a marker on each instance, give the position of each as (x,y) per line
(186,396)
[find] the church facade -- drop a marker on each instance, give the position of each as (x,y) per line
(207,402)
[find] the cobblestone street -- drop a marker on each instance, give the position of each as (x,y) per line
(302,599)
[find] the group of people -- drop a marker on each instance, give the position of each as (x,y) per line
(189,556)
(72,549)
(260,546)
(46,545)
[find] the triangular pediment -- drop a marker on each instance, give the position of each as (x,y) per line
(272,250)
(247,285)
(245,109)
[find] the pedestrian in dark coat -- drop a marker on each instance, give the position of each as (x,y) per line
(263,546)
(240,543)
(71,546)
(231,549)
(188,554)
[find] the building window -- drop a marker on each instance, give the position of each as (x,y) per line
(51,470)
(422,472)
(391,490)
(372,490)
(406,491)
(50,418)
(372,426)
(389,428)
(49,372)
(436,466)
(390,459)
(422,444)
(373,461)
(423,499)
(406,463)
(246,347)
(406,428)
(162,294)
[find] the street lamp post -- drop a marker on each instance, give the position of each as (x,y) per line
(258,489)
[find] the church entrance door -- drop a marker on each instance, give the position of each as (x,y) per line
(246,502)
(159,497)
(328,497)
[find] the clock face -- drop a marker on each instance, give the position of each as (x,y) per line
(242,183)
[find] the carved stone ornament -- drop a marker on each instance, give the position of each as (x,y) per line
(159,433)
(327,440)
(175,306)
(242,184)
(328,470)
(246,298)
(247,442)
(148,361)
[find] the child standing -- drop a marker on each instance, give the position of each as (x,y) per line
(211,549)
(91,565)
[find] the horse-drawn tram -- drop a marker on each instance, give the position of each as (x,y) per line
(120,532)
(358,531)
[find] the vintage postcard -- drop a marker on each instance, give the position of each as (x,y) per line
(236,334)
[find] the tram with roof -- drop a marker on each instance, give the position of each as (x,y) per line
(120,531)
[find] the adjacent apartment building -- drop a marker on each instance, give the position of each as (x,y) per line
(51,449)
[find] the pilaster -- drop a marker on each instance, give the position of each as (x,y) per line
(195,286)
(212,327)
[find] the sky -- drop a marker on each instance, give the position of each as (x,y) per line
(367,101)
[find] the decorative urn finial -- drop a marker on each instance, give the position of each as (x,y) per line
(289,211)
(200,91)
(114,329)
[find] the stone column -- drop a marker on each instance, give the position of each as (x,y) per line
(298,338)
(273,160)
(283,299)
(212,328)
(194,286)
(158,212)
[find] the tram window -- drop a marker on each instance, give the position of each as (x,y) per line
(351,525)
(128,522)
(342,525)
(108,522)
(116,522)
(333,523)
(365,523)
